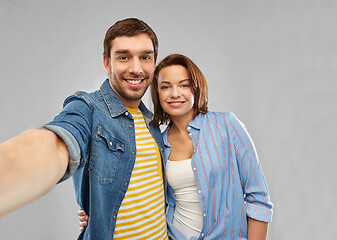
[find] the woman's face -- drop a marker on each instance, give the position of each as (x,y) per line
(175,92)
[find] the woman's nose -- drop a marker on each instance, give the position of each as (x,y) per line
(175,92)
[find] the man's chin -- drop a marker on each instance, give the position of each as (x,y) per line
(134,94)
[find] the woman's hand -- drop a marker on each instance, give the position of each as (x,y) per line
(83,217)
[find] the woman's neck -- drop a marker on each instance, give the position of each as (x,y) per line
(180,123)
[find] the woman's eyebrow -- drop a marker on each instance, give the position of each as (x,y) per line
(168,82)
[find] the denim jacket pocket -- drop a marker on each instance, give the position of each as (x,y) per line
(105,156)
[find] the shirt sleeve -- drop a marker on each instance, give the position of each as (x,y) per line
(253,182)
(73,149)
(73,126)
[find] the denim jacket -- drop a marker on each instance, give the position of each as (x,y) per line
(100,135)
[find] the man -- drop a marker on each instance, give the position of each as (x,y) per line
(105,139)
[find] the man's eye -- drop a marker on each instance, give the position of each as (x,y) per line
(146,57)
(122,58)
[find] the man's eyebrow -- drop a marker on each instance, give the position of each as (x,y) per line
(125,51)
(148,52)
(121,51)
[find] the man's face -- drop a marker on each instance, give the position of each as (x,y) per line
(131,67)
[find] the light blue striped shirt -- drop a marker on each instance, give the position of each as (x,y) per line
(229,178)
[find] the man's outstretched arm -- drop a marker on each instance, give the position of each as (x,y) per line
(30,165)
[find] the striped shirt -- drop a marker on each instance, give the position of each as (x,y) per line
(230,183)
(142,214)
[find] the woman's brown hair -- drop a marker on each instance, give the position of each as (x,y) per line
(198,84)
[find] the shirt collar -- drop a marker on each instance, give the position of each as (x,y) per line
(194,123)
(115,104)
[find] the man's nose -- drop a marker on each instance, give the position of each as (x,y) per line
(136,66)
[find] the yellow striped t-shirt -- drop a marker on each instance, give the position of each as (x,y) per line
(142,213)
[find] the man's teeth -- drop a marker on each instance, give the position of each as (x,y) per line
(134,81)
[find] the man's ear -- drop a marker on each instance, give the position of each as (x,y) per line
(106,63)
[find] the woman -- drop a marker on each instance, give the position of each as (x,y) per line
(216,187)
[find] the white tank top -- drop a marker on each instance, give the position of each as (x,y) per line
(187,215)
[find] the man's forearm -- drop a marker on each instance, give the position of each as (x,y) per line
(257,230)
(30,165)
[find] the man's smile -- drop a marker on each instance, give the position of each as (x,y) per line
(134,82)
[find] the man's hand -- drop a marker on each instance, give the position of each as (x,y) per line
(84,218)
(30,165)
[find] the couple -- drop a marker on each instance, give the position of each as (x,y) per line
(210,161)
(108,141)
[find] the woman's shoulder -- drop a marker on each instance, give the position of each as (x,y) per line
(228,119)
(226,115)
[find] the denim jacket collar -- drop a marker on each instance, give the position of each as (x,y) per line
(115,104)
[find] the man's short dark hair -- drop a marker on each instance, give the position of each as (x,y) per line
(129,27)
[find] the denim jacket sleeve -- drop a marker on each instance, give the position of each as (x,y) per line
(73,125)
(253,182)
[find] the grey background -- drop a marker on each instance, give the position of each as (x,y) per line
(273,63)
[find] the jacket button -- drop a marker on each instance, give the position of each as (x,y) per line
(114,217)
(126,113)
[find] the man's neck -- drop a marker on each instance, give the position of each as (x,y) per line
(127,103)
(131,104)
